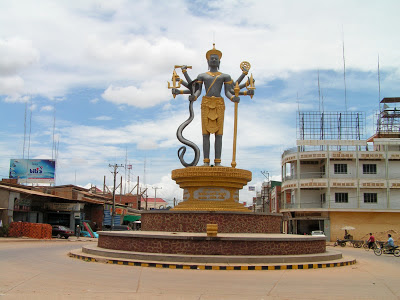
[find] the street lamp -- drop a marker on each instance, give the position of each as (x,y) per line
(155,195)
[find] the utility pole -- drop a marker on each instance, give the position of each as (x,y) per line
(263,190)
(114,188)
(138,200)
(155,195)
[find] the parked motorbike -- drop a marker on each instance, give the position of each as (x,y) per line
(341,243)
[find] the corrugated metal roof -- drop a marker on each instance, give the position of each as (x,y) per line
(390,100)
(29,192)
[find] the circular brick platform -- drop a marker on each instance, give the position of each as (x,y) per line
(196,221)
(201,244)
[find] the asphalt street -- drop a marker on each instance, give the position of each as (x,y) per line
(43,270)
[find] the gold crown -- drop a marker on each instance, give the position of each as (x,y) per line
(213,51)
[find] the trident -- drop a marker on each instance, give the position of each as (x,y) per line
(176,80)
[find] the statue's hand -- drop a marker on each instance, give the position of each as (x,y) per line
(175,91)
(250,92)
(192,98)
(184,67)
(236,99)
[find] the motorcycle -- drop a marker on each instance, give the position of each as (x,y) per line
(341,243)
(384,250)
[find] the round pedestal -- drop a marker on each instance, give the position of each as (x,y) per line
(211,188)
(196,221)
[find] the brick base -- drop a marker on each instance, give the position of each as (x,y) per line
(228,222)
(212,245)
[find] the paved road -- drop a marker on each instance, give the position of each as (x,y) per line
(42,270)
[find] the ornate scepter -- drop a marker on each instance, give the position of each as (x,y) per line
(237,90)
(245,67)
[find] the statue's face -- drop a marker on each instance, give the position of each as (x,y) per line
(214,60)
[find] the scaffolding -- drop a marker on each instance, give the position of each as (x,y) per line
(315,125)
(389,117)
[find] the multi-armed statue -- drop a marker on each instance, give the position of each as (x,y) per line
(212,105)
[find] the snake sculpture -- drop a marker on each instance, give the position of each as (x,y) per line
(182,150)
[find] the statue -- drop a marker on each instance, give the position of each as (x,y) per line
(212,105)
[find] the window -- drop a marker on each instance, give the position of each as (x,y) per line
(369,168)
(341,197)
(370,198)
(340,168)
(323,198)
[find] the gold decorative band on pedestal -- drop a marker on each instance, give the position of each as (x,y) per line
(211,188)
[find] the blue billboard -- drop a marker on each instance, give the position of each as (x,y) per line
(33,170)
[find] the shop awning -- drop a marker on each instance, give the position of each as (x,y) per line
(131,218)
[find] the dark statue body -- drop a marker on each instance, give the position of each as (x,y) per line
(212,106)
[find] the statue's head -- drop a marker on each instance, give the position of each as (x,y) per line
(213,57)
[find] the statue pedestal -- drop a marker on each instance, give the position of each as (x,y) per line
(211,188)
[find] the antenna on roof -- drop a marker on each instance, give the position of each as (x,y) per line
(53,150)
(379,85)
(319,94)
(322,99)
(344,74)
(30,129)
(23,147)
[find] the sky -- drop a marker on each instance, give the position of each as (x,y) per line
(85,82)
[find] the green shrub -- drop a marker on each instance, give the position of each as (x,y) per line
(4,231)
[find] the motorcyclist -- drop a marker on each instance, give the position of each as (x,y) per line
(371,241)
(390,243)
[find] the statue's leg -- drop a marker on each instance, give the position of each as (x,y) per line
(206,149)
(218,150)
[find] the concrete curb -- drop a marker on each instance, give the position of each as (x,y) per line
(27,239)
(78,254)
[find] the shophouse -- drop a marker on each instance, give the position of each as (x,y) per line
(335,177)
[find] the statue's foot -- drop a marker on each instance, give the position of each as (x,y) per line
(206,164)
(217,162)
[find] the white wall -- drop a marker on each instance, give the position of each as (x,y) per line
(352,198)
(380,169)
(351,169)
(382,199)
(310,198)
(395,198)
(394,169)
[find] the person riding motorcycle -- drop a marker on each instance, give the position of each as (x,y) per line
(390,243)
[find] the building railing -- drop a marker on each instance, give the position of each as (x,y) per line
(332,148)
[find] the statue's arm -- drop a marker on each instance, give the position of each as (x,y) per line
(228,87)
(185,73)
(180,92)
(244,73)
(197,92)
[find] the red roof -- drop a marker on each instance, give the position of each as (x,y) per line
(160,200)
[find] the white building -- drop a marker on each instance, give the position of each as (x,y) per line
(334,178)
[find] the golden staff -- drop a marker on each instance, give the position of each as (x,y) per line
(236,89)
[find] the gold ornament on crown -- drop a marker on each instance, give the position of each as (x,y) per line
(213,51)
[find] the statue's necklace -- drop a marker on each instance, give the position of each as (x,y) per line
(213,74)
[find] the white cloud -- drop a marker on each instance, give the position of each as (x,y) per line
(15,55)
(147,95)
(11,86)
(103,118)
(47,108)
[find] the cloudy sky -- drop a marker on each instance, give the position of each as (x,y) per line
(92,76)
